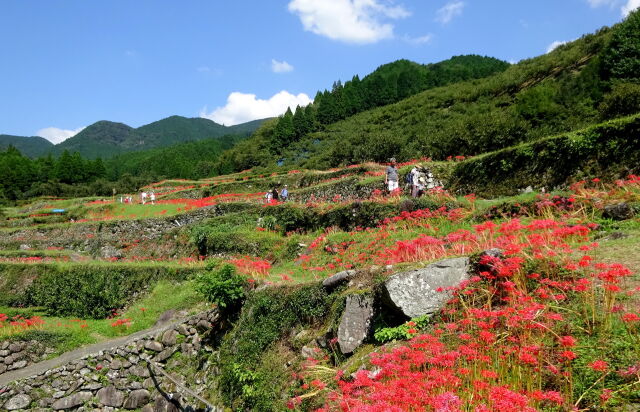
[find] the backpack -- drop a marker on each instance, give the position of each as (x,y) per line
(409,177)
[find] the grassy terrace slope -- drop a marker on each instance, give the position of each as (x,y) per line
(63,274)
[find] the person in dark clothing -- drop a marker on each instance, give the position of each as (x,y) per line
(274,194)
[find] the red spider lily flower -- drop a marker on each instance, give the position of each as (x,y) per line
(599,365)
(567,341)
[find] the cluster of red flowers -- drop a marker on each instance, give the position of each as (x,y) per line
(19,323)
(123,322)
(254,267)
(502,335)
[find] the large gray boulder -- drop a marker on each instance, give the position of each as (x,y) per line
(415,293)
(619,211)
(356,322)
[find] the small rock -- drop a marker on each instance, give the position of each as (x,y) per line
(115,364)
(154,346)
(203,325)
(137,399)
(20,401)
(307,352)
(164,405)
(164,355)
(18,365)
(169,337)
(110,396)
(139,371)
(72,401)
(182,329)
(16,347)
(339,278)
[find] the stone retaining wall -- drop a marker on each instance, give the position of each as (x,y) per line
(101,238)
(124,378)
(20,354)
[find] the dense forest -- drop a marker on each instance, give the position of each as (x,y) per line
(73,175)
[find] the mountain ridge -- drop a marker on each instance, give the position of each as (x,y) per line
(106,138)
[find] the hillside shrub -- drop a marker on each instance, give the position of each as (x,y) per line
(289,217)
(246,381)
(610,149)
(231,239)
(88,291)
(624,99)
(223,287)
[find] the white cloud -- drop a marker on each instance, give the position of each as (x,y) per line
(418,40)
(598,3)
(450,10)
(203,69)
(55,135)
(630,6)
(244,107)
(350,21)
(556,44)
(280,67)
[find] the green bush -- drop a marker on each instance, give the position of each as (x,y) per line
(246,381)
(607,150)
(624,99)
(91,291)
(223,286)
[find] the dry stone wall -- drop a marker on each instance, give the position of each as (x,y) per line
(20,354)
(126,377)
(103,238)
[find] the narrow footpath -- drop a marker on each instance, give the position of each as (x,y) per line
(76,354)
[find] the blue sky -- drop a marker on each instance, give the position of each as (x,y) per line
(68,63)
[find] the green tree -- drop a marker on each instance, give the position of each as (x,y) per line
(621,59)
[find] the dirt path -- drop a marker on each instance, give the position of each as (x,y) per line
(79,353)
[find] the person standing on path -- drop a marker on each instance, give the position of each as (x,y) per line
(391,177)
(143,197)
(284,193)
(153,198)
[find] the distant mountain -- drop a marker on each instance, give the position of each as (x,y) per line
(106,139)
(33,146)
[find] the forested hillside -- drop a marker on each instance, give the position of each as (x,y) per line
(33,146)
(584,82)
(105,139)
(70,174)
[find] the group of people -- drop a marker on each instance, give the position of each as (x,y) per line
(151,196)
(273,196)
(418,180)
(144,197)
